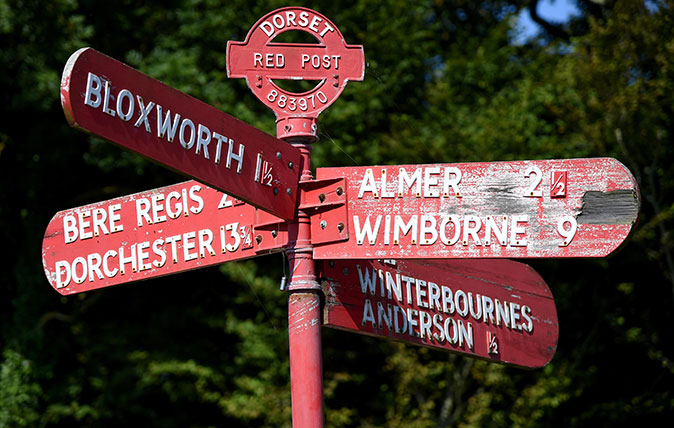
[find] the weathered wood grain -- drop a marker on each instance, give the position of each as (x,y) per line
(528,216)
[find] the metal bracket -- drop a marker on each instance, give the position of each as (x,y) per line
(270,232)
(325,202)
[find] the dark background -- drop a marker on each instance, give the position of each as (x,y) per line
(444,82)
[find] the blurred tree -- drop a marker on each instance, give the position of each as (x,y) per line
(444,83)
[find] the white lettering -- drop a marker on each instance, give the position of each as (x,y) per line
(231,156)
(405,179)
(203,138)
(166,127)
(366,230)
(267,28)
(158,250)
(187,144)
(428,226)
(125,94)
(70,232)
(516,229)
(367,282)
(452,182)
(143,255)
(368,314)
(92,96)
(189,244)
(429,181)
(405,228)
(368,184)
(62,267)
(106,100)
(143,211)
(529,326)
(144,111)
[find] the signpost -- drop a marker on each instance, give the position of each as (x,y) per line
(501,311)
(160,232)
(334,62)
(112,100)
(497,310)
(522,209)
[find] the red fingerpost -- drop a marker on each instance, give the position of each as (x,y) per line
(304,317)
(332,63)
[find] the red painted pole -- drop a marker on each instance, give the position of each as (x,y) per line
(304,317)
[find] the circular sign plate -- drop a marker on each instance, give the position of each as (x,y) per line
(330,61)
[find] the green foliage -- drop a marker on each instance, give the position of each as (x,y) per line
(443,83)
(19,393)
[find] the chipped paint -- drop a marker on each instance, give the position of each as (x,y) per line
(595,215)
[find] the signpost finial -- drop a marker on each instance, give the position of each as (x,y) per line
(330,61)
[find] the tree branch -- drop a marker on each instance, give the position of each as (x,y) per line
(554,30)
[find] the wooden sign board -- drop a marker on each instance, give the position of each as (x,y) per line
(112,100)
(542,208)
(496,310)
(163,231)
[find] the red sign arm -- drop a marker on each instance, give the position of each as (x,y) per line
(112,100)
(155,233)
(517,209)
(500,311)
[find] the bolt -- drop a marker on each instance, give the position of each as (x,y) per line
(324,224)
(321,197)
(340,191)
(275,191)
(290,165)
(274,233)
(278,155)
(288,191)
(258,239)
(340,227)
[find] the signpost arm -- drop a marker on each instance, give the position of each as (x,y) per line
(304,316)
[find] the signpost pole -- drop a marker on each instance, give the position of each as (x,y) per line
(261,61)
(304,316)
